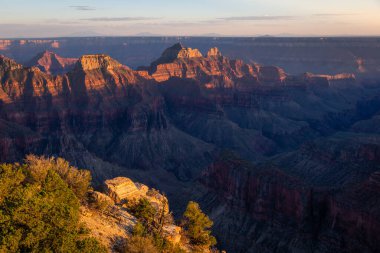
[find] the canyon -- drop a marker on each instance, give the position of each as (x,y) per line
(281,161)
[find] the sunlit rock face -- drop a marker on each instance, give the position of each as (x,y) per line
(214,52)
(118,196)
(178,51)
(124,190)
(214,70)
(52,63)
(98,61)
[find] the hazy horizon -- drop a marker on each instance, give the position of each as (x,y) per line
(240,18)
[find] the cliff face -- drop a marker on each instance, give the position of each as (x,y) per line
(52,63)
(217,71)
(113,225)
(178,51)
(292,216)
(7,64)
(261,194)
(214,70)
(101,73)
(100,106)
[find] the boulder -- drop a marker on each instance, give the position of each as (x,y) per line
(172,233)
(97,197)
(121,188)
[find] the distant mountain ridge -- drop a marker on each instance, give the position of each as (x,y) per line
(320,55)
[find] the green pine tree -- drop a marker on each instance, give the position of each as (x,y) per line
(197,226)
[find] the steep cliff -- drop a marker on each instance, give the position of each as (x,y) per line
(217,71)
(213,71)
(52,63)
(276,212)
(102,106)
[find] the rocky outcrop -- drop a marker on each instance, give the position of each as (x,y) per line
(217,71)
(52,63)
(123,189)
(326,80)
(214,52)
(110,228)
(103,74)
(98,61)
(271,74)
(178,51)
(7,64)
(173,233)
(112,223)
(98,197)
(212,71)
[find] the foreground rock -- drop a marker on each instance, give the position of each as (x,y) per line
(110,222)
(122,189)
(111,228)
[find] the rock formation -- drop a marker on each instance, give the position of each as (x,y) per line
(99,61)
(215,70)
(113,225)
(178,51)
(7,64)
(123,189)
(52,63)
(214,52)
(293,216)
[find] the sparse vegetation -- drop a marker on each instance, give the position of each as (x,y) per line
(150,226)
(78,181)
(39,212)
(39,207)
(140,244)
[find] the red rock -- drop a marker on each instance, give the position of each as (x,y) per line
(266,194)
(213,71)
(214,52)
(52,63)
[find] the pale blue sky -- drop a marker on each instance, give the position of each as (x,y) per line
(50,18)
